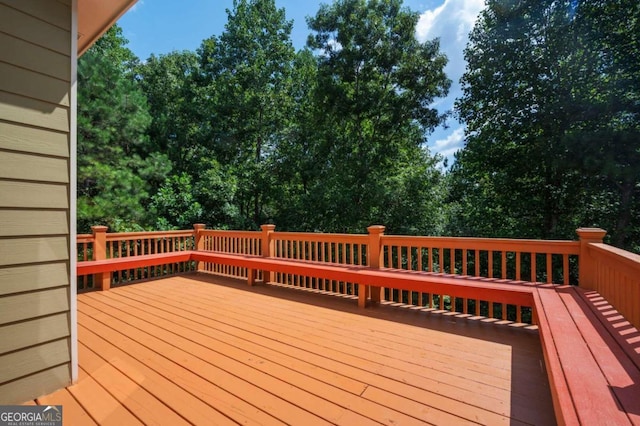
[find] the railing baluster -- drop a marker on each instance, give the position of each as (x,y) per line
(534,274)
(490,260)
(464,261)
(452,261)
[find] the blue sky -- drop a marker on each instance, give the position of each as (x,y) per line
(162,26)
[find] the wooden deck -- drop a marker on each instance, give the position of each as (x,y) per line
(198,349)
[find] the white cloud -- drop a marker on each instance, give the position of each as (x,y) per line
(451,22)
(449,145)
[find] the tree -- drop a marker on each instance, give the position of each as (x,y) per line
(604,141)
(174,95)
(116,171)
(248,71)
(536,96)
(376,85)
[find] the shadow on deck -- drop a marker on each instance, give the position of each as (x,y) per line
(202,349)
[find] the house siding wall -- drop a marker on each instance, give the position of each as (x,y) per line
(35,202)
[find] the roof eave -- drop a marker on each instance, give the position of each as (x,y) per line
(95,17)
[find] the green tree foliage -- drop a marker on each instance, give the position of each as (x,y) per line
(247,72)
(376,85)
(116,169)
(170,83)
(551,106)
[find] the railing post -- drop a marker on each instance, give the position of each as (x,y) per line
(586,263)
(268,250)
(199,243)
(374,260)
(102,279)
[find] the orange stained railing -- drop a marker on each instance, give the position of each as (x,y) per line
(102,245)
(614,273)
(233,242)
(84,253)
(503,260)
(616,277)
(343,249)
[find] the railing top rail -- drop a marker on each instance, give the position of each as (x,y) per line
(317,236)
(224,233)
(614,254)
(497,244)
(84,238)
(120,236)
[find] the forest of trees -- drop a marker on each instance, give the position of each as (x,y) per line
(246,130)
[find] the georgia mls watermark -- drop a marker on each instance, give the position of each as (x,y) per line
(30,415)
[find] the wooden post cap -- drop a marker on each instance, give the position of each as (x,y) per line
(376,229)
(591,233)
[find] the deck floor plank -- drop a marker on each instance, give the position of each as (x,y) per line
(331,340)
(324,400)
(99,403)
(229,404)
(72,412)
(333,392)
(311,360)
(135,398)
(442,384)
(333,330)
(203,349)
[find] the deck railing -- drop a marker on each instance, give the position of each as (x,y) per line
(616,277)
(502,260)
(614,273)
(102,245)
(234,242)
(343,249)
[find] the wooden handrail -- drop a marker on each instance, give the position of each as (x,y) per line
(128,236)
(612,272)
(495,244)
(321,237)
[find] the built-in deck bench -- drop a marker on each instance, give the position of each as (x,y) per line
(593,373)
(425,282)
(121,263)
(594,378)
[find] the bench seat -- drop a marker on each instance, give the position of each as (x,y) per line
(426,282)
(89,267)
(593,379)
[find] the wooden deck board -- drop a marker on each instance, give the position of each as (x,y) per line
(436,383)
(203,349)
(72,412)
(334,337)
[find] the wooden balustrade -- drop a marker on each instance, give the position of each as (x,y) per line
(614,273)
(234,242)
(617,278)
(84,253)
(343,249)
(503,260)
(102,245)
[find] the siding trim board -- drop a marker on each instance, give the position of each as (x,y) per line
(72,196)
